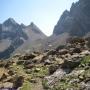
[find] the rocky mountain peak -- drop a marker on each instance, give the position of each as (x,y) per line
(32,24)
(76,22)
(35,28)
(16,36)
(10,21)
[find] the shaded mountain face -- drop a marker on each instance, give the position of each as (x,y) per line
(76,22)
(13,35)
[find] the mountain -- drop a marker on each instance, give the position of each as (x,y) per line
(73,23)
(14,35)
(33,32)
(36,37)
(76,22)
(18,38)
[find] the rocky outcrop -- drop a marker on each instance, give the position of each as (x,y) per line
(76,22)
(73,71)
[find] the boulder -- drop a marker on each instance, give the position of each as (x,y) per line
(29,66)
(8,85)
(19,62)
(27,62)
(63,52)
(4,76)
(77,50)
(85,52)
(37,69)
(33,80)
(59,60)
(27,56)
(52,52)
(18,82)
(45,57)
(53,68)
(55,77)
(10,72)
(47,62)
(71,64)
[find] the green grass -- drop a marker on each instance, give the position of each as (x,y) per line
(45,85)
(85,61)
(43,71)
(26,86)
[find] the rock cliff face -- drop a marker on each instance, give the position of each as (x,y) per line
(76,22)
(13,35)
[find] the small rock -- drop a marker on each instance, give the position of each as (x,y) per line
(18,82)
(7,85)
(52,52)
(33,81)
(20,62)
(29,66)
(63,52)
(70,64)
(52,69)
(85,52)
(75,56)
(4,76)
(77,50)
(59,60)
(74,81)
(10,72)
(81,77)
(27,56)
(37,69)
(47,62)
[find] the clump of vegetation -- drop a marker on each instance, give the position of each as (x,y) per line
(45,85)
(85,61)
(38,71)
(26,86)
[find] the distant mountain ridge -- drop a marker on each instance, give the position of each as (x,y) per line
(14,35)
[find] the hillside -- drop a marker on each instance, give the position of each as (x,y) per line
(64,68)
(29,60)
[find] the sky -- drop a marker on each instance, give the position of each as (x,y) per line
(44,13)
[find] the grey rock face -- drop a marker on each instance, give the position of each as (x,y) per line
(76,21)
